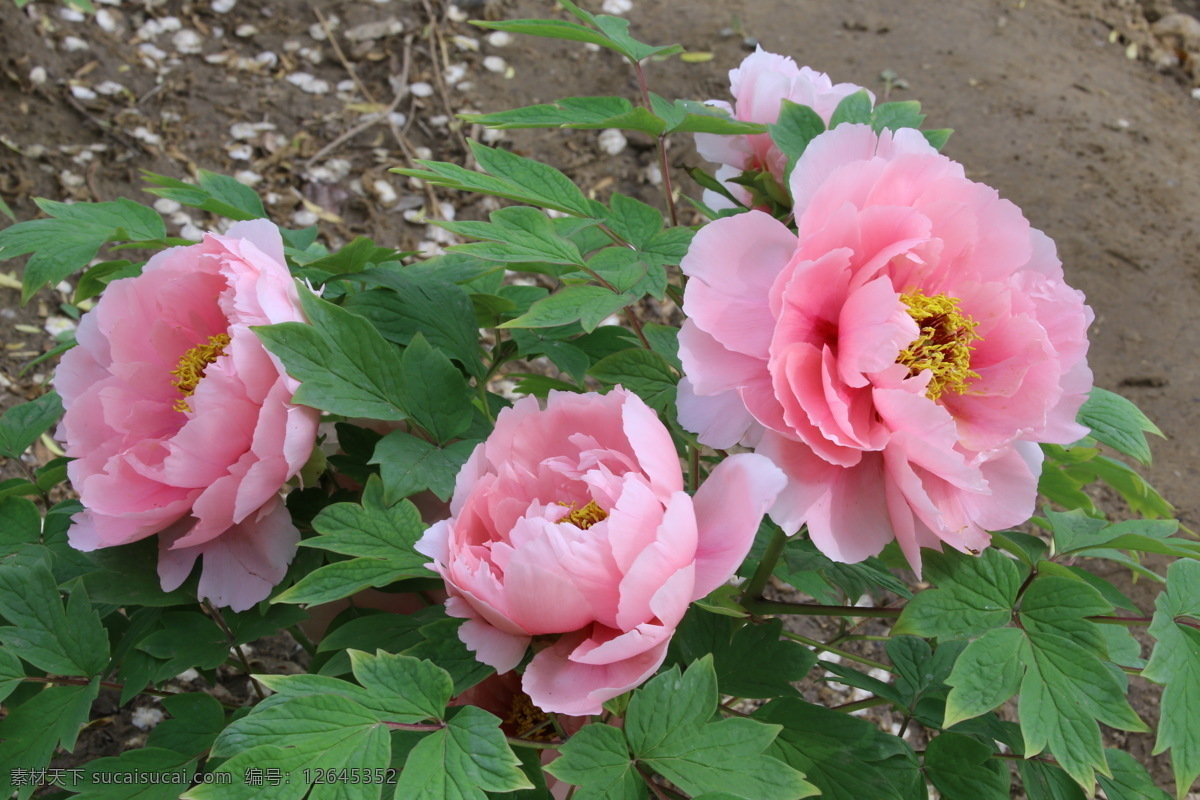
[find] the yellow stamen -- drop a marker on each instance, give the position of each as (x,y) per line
(524,717)
(944,344)
(192,365)
(586,517)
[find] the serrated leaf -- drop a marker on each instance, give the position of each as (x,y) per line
(186,639)
(845,757)
(597,760)
(158,775)
(974,595)
(750,660)
(581,113)
(20,522)
(342,579)
(896,115)
(643,372)
(516,233)
(937,139)
(462,761)
(219,194)
(11,673)
(403,688)
(666,726)
(442,646)
(68,641)
(1118,423)
(536,182)
(196,719)
(409,465)
(962,768)
(315,732)
(1130,780)
(854,108)
(433,393)
(344,366)
(588,305)
(21,425)
(987,674)
(441,311)
(371,530)
(32,730)
(1175,664)
(796,127)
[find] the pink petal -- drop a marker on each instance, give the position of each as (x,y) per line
(559,685)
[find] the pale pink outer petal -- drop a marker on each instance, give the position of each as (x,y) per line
(729,507)
(559,685)
(651,443)
(240,567)
(492,646)
(719,420)
(732,264)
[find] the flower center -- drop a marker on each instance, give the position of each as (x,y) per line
(944,344)
(586,517)
(192,365)
(527,720)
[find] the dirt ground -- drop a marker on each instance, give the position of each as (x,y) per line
(1080,111)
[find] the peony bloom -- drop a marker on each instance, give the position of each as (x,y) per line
(179,420)
(898,358)
(572,523)
(759,86)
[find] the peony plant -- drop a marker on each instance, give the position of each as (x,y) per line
(533,553)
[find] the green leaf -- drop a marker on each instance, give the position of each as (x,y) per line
(597,760)
(432,391)
(65,642)
(845,757)
(1175,664)
(854,108)
(4,208)
(403,688)
(962,768)
(588,305)
(409,465)
(186,639)
(974,595)
(72,237)
(11,673)
(1130,780)
(539,183)
(633,220)
(97,277)
(797,126)
(20,522)
(515,234)
(219,194)
(442,646)
(937,139)
(575,112)
(440,311)
(1118,423)
(643,372)
(158,775)
(896,115)
(986,674)
(666,726)
(30,733)
(312,732)
(344,366)
(21,425)
(128,575)
(196,719)
(462,761)
(750,660)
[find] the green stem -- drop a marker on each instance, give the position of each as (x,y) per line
(693,467)
(662,146)
(481,387)
(303,640)
(815,610)
(765,567)
(870,702)
(820,646)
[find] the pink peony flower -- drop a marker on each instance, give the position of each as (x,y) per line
(572,523)
(759,86)
(178,418)
(898,358)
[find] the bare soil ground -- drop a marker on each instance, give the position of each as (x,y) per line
(1080,111)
